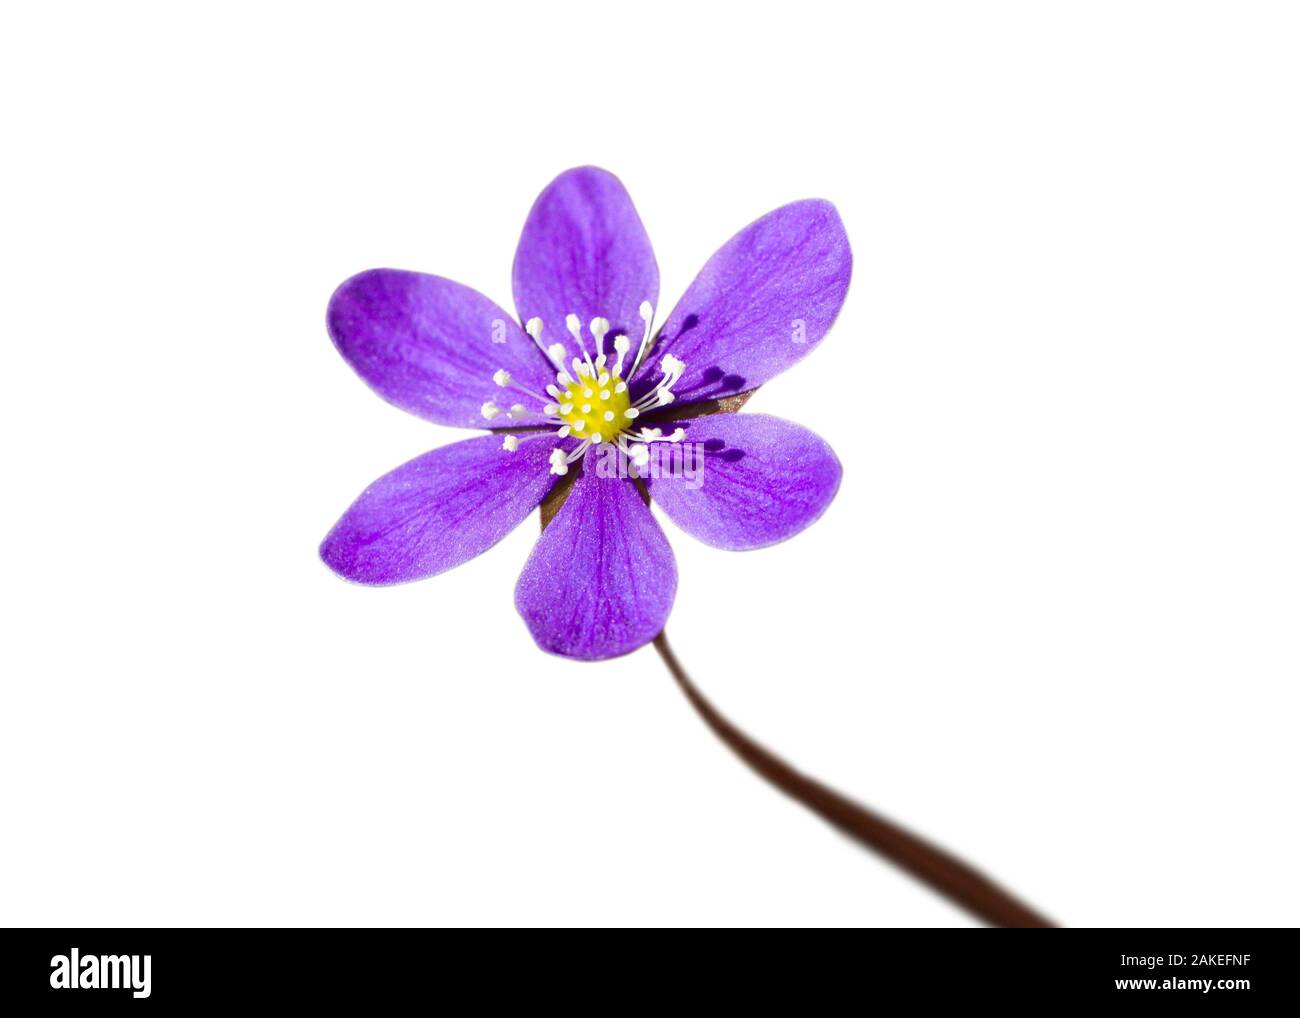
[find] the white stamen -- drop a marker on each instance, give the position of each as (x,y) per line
(534,329)
(489,410)
(574,326)
(621,347)
(502,377)
(647,314)
(558,458)
(661,394)
(599,327)
(603,375)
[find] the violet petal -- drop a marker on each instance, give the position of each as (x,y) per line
(584,251)
(762,302)
(439,510)
(431,347)
(760,480)
(601,579)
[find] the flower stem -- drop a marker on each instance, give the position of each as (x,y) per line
(930,864)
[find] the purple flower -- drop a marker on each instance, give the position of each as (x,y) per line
(588,395)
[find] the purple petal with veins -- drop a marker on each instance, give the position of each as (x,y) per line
(440,509)
(758,480)
(601,579)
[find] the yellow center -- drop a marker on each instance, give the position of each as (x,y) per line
(591,408)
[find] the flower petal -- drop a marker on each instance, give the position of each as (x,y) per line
(584,251)
(431,346)
(601,579)
(760,480)
(762,302)
(439,510)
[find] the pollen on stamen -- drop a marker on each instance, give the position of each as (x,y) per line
(502,377)
(489,410)
(510,443)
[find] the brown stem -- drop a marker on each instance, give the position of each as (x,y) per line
(931,865)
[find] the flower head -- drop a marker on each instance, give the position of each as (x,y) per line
(588,395)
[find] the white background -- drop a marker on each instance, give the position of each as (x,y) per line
(1050,620)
